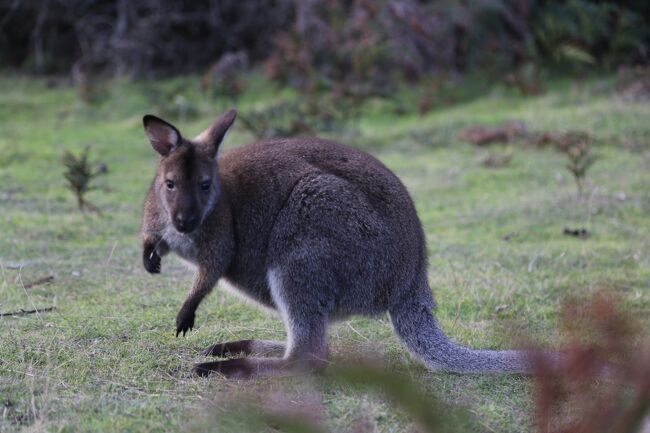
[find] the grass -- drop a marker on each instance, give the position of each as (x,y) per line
(106,359)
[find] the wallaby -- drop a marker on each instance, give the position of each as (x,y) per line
(311,228)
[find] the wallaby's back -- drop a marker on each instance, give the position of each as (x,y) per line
(331,200)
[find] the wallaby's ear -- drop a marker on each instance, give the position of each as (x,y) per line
(164,137)
(213,136)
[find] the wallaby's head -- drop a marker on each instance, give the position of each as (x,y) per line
(187,181)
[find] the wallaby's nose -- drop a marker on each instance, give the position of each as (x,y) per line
(185,222)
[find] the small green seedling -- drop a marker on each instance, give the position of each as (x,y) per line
(80,174)
(577,149)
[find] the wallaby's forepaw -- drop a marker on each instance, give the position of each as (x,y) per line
(151,260)
(184,321)
(232,368)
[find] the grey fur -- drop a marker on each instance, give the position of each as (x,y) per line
(311,228)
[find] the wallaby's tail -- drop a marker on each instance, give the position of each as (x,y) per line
(417,327)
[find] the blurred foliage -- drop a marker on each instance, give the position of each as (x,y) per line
(142,38)
(306,413)
(356,46)
(579,33)
(305,116)
(224,76)
(364,48)
(602,384)
(600,341)
(281,119)
(172,101)
(430,413)
(338,54)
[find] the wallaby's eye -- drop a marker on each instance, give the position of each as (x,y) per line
(169,184)
(205,185)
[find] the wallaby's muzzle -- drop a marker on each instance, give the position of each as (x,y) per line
(186,222)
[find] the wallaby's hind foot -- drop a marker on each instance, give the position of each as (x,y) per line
(250,368)
(241,368)
(246,347)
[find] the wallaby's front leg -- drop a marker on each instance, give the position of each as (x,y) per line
(203,284)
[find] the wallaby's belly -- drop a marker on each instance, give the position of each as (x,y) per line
(253,292)
(247,277)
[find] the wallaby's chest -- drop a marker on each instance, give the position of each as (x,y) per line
(183,245)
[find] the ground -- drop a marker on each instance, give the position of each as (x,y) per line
(106,358)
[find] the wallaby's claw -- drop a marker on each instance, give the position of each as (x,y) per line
(184,321)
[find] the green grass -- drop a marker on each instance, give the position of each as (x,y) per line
(106,359)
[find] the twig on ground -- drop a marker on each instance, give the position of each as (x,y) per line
(22,312)
(16,265)
(40,281)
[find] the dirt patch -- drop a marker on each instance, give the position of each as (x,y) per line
(483,136)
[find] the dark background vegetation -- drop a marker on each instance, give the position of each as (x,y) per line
(307,42)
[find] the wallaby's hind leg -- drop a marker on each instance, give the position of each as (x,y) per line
(246,347)
(244,368)
(299,358)
(415,324)
(305,317)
